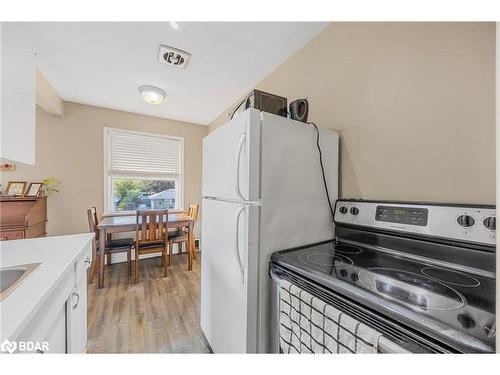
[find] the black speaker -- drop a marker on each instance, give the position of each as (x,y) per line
(299,109)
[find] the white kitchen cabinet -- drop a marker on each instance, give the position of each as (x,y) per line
(56,336)
(60,324)
(18,92)
(76,315)
(46,334)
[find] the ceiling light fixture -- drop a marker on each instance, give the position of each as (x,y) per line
(152,94)
(174,25)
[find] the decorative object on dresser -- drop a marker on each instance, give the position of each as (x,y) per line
(16,188)
(50,185)
(34,189)
(7,167)
(22,217)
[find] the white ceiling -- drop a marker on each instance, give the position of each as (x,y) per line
(103,64)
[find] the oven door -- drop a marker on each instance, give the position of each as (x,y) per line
(395,339)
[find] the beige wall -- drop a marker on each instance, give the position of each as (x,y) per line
(70,148)
(414,104)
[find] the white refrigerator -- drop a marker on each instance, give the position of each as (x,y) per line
(262,192)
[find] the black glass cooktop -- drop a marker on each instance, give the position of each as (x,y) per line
(461,301)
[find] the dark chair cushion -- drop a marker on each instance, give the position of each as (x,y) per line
(177,234)
(120,242)
(145,245)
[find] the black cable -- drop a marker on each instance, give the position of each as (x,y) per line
(323,170)
(239,105)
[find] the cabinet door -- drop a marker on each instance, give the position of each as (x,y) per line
(46,334)
(56,337)
(18,70)
(76,307)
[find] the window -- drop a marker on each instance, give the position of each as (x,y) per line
(142,171)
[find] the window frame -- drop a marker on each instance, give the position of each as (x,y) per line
(108,186)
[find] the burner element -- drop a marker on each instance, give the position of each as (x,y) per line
(325,258)
(347,249)
(450,277)
(411,289)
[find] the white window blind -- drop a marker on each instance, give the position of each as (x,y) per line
(142,156)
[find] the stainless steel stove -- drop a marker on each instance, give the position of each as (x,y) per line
(422,274)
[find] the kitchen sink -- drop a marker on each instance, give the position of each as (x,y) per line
(12,277)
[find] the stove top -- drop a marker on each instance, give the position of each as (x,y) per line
(446,302)
(425,269)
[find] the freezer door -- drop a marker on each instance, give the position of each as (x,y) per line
(229,276)
(231,159)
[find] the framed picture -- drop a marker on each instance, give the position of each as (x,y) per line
(16,188)
(34,189)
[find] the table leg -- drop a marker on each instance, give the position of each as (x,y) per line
(102,248)
(190,245)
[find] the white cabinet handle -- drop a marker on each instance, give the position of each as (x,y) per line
(74,294)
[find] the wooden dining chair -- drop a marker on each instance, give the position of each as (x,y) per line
(120,245)
(193,209)
(181,236)
(151,236)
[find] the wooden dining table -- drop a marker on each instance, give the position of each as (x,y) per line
(127,223)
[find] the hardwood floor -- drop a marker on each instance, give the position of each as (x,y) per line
(156,315)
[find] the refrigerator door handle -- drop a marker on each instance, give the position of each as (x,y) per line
(237,247)
(238,158)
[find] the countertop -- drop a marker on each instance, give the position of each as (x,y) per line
(57,255)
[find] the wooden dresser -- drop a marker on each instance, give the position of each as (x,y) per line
(23,217)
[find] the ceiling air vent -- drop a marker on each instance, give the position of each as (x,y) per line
(173,56)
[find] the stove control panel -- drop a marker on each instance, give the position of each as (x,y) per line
(402,215)
(457,222)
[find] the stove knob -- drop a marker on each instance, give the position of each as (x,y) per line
(354,277)
(490,223)
(343,273)
(465,220)
(343,210)
(354,211)
(466,321)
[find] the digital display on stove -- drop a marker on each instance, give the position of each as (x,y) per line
(398,211)
(402,215)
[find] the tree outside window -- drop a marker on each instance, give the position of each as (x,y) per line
(129,194)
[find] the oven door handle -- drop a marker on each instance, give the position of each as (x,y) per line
(274,277)
(387,346)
